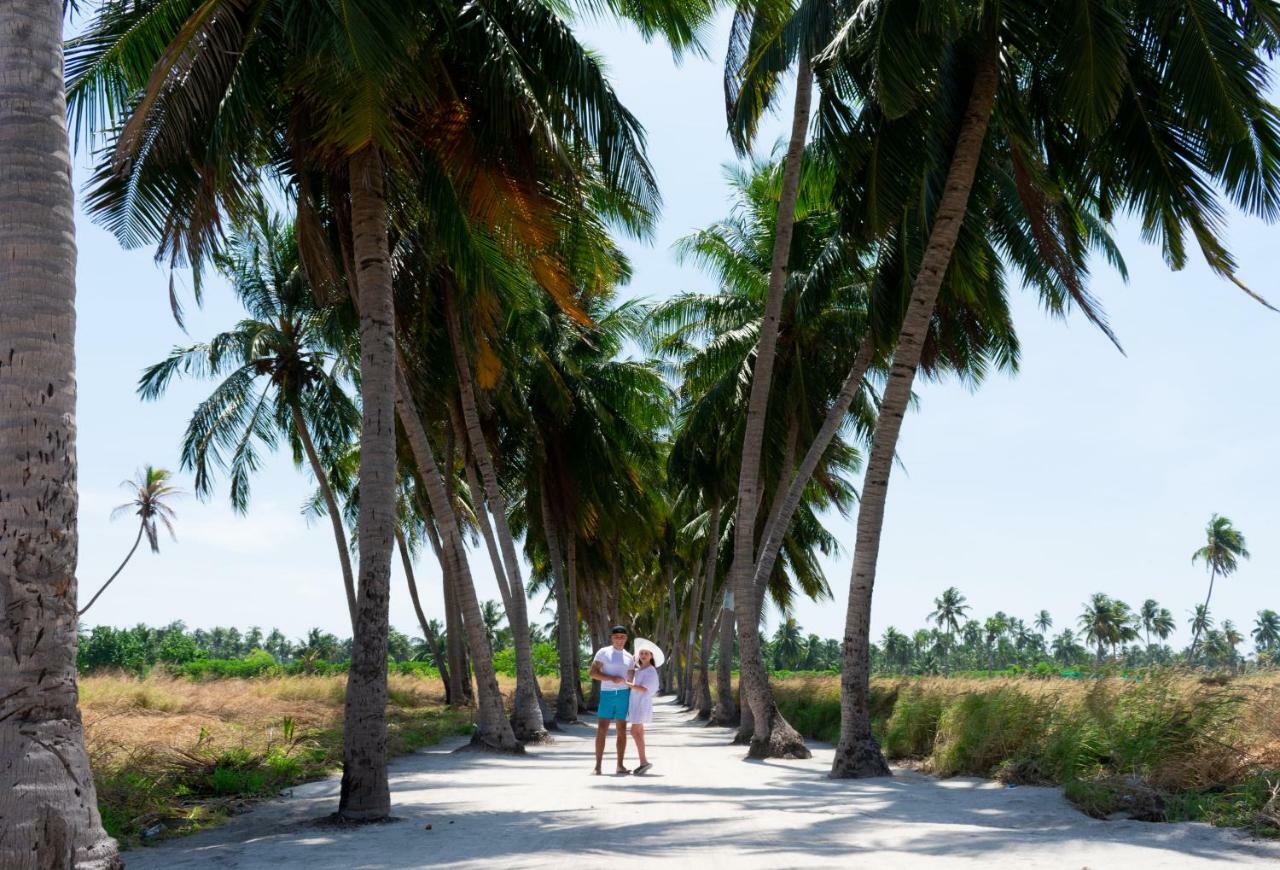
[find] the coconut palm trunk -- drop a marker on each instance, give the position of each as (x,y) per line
(428,634)
(1213,575)
(567,696)
(703,692)
(47,798)
(773,736)
(776,529)
(526,717)
(455,634)
(725,711)
(493,731)
(142,527)
(858,754)
(365,794)
(331,507)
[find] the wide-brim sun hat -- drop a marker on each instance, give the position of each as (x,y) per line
(658,655)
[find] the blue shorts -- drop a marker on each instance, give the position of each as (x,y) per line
(614,704)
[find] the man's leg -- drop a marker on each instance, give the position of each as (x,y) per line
(622,742)
(602,731)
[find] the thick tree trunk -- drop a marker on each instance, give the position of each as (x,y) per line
(493,730)
(567,697)
(725,711)
(777,527)
(48,803)
(858,754)
(785,743)
(331,507)
(527,715)
(702,694)
(433,642)
(142,527)
(365,794)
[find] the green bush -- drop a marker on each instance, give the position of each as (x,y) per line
(256,664)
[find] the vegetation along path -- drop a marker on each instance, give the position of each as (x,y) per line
(701,805)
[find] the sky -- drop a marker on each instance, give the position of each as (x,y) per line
(1087,471)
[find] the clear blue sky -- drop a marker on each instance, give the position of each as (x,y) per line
(1088,471)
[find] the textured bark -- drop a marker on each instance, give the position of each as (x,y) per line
(331,508)
(858,754)
(725,711)
(567,697)
(526,717)
(570,544)
(493,731)
(455,634)
(365,794)
(433,641)
(702,691)
(688,696)
(142,527)
(48,805)
(754,676)
(778,524)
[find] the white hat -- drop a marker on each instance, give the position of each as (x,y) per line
(658,656)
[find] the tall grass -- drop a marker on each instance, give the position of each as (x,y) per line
(170,754)
(1187,747)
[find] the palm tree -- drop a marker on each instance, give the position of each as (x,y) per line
(1147,615)
(788,644)
(948,610)
(1224,548)
(1136,140)
(993,629)
(150,489)
(1043,621)
(283,372)
(1102,622)
(48,801)
(492,616)
(1065,648)
(1200,623)
(1163,625)
(1266,631)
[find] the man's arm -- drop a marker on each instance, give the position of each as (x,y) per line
(597,673)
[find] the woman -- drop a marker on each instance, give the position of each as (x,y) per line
(643,685)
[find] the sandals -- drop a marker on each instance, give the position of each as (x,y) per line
(622,771)
(643,769)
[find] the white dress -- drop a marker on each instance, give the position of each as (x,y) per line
(641,709)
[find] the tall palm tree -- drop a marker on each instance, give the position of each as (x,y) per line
(1266,631)
(48,800)
(1221,554)
(788,644)
(1164,624)
(1102,622)
(150,490)
(284,373)
(1043,621)
(1136,140)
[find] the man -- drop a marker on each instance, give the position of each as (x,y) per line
(612,666)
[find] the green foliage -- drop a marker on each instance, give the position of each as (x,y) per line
(257,663)
(545,660)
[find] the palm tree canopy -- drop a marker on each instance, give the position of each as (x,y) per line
(1224,547)
(150,488)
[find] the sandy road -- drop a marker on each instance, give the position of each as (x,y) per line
(702,806)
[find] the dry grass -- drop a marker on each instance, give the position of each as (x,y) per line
(178,754)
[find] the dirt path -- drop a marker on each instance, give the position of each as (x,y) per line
(701,806)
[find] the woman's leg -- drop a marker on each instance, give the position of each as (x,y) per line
(637,734)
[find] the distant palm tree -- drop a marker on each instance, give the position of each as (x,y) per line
(1147,615)
(948,609)
(1200,622)
(492,615)
(1042,621)
(1266,631)
(1104,623)
(1065,648)
(1163,625)
(1224,547)
(993,629)
(150,489)
(788,644)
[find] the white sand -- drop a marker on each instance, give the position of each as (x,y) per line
(701,806)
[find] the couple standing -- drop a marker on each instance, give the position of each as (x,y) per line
(627,686)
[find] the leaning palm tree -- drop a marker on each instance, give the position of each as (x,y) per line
(284,373)
(150,489)
(1033,145)
(47,795)
(1221,554)
(1201,622)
